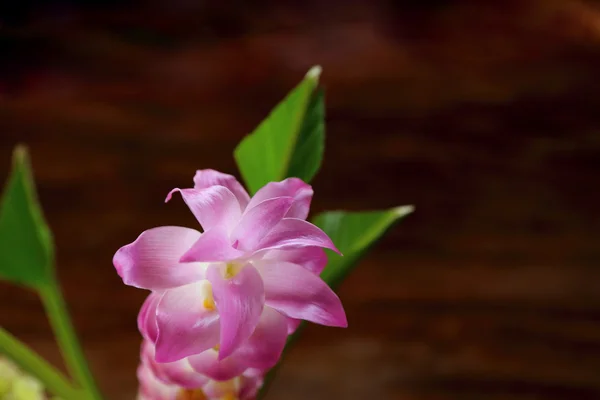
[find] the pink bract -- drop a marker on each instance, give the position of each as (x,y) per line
(177,381)
(260,351)
(257,260)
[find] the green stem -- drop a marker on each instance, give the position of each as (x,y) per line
(56,310)
(33,364)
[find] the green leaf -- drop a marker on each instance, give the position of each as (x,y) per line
(289,142)
(308,154)
(26,254)
(354,233)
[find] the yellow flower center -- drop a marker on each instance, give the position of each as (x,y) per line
(209,301)
(209,304)
(229,388)
(231,270)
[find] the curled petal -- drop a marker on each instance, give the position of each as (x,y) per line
(152,388)
(212,246)
(292,325)
(147,357)
(293,233)
(212,206)
(187,325)
(147,317)
(266,344)
(298,293)
(300,191)
(251,382)
(209,177)
(208,363)
(181,373)
(258,221)
(152,260)
(313,259)
(240,301)
(178,373)
(262,350)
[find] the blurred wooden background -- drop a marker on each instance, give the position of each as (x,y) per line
(485,115)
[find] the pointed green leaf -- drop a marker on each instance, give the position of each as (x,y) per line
(289,142)
(308,153)
(353,233)
(26,254)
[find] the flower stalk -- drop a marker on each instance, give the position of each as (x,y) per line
(58,316)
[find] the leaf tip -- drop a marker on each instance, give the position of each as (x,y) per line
(314,73)
(403,210)
(20,154)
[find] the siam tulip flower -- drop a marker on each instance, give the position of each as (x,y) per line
(158,383)
(256,260)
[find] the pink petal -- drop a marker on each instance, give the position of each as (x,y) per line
(151,388)
(179,372)
(207,363)
(299,294)
(147,317)
(147,357)
(266,344)
(152,260)
(212,206)
(292,325)
(258,221)
(212,246)
(313,259)
(293,233)
(292,187)
(262,350)
(240,301)
(252,381)
(220,390)
(244,387)
(185,325)
(209,177)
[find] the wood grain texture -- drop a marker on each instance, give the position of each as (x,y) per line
(482,114)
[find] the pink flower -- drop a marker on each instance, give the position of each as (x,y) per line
(152,388)
(257,259)
(260,351)
(163,381)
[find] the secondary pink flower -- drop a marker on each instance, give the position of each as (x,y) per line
(163,382)
(152,388)
(261,351)
(255,255)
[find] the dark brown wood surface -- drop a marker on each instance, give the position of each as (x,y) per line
(485,115)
